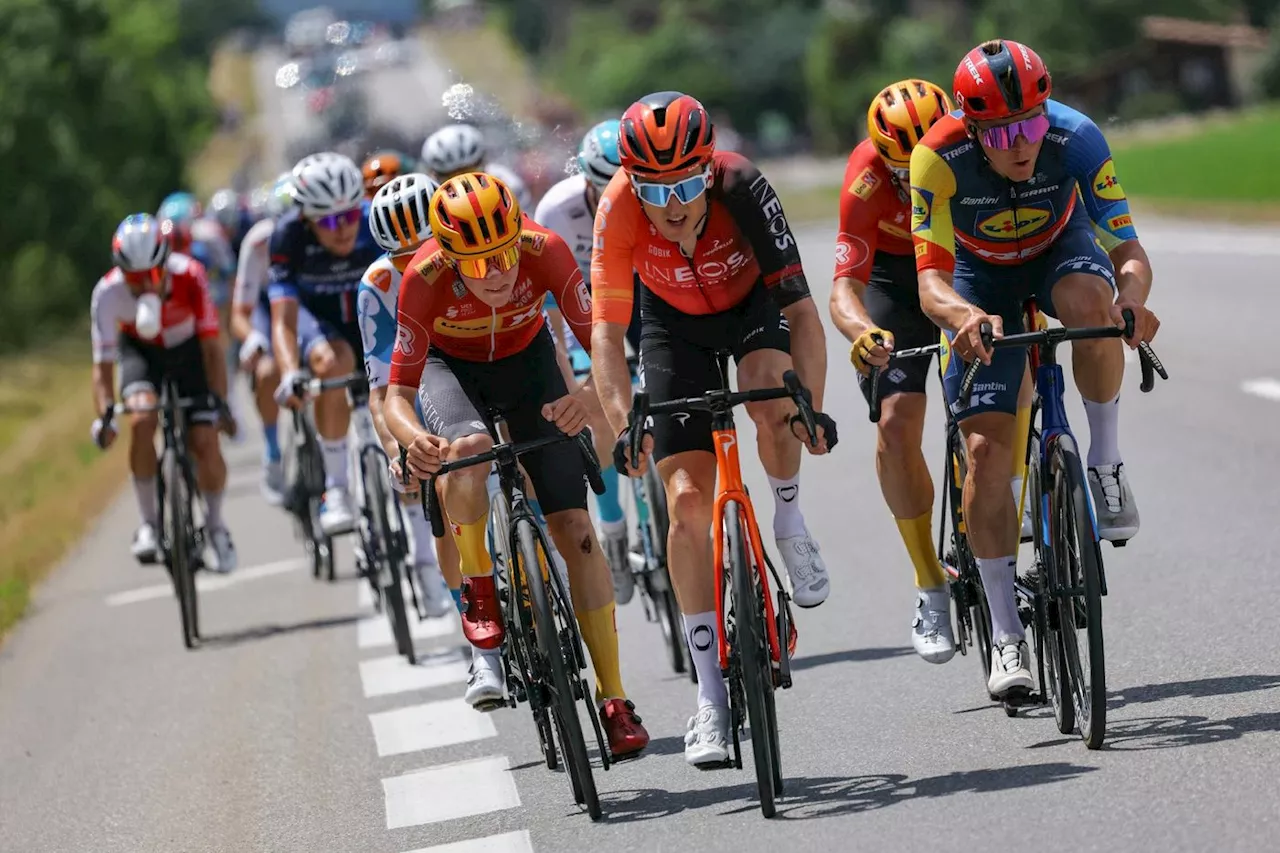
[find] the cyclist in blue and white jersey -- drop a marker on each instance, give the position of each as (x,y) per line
(569,209)
(319,251)
(399,221)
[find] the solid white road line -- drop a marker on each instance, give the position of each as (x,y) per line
(375,630)
(206,582)
(394,674)
(508,842)
(1267,389)
(445,723)
(450,791)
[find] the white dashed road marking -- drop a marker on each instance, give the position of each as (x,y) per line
(206,582)
(430,726)
(376,630)
(450,791)
(508,842)
(394,674)
(1267,389)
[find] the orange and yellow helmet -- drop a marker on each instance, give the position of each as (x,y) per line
(379,169)
(477,221)
(901,115)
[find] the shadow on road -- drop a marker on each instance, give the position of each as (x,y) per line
(850,656)
(1203,688)
(1145,733)
(808,798)
(262,632)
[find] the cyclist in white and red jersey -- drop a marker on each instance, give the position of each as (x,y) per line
(153,315)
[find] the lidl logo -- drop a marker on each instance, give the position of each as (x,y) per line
(1106,184)
(1118,222)
(865,184)
(944,352)
(1011,224)
(921,215)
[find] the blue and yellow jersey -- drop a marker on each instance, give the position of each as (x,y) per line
(959,204)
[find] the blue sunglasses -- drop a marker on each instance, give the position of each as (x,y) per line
(659,194)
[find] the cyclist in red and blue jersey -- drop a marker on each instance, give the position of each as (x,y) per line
(319,252)
(1007,194)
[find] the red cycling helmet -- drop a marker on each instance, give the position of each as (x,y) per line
(665,132)
(1000,78)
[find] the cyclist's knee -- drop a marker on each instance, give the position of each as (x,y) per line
(574,525)
(266,372)
(472,478)
(689,505)
(991,454)
(344,360)
(203,439)
(901,426)
(143,425)
(771,417)
(1082,299)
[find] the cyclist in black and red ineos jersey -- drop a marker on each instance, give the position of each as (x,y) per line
(721,270)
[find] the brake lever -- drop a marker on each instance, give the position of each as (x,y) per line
(804,403)
(874,412)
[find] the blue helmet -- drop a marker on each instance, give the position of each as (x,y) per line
(598,155)
(180,208)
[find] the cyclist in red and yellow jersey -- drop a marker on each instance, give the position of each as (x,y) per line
(720,271)
(472,338)
(874,297)
(1006,198)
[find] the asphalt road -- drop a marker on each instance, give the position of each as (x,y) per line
(295,729)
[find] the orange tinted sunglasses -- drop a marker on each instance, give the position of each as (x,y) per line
(505,261)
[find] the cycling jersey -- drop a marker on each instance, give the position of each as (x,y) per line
(254,265)
(324,284)
(958,200)
(746,238)
(875,215)
(436,309)
(564,210)
(376,307)
(186,312)
(209,246)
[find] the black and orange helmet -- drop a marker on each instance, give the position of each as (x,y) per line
(477,222)
(380,168)
(665,132)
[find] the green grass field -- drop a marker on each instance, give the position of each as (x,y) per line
(1232,159)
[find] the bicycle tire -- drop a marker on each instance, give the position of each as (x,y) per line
(377,499)
(659,524)
(1057,680)
(966,563)
(1081,600)
(563,705)
(178,539)
(752,649)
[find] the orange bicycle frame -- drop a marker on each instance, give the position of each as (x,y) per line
(729,476)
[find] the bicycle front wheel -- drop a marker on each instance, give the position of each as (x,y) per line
(751,640)
(563,704)
(382,552)
(975,596)
(179,534)
(1078,561)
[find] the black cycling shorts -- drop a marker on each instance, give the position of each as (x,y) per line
(143,367)
(892,299)
(678,358)
(454,393)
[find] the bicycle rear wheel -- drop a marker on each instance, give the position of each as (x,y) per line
(563,704)
(179,533)
(383,552)
(1078,561)
(975,597)
(751,640)
(655,498)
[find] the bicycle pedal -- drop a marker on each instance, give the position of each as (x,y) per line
(1019,697)
(1119,543)
(489,705)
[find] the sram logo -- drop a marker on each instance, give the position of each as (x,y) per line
(1012,224)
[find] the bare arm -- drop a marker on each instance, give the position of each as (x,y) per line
(610,373)
(940,302)
(1133,272)
(104,385)
(562,357)
(401,420)
(847,309)
(284,333)
(808,347)
(215,365)
(241,323)
(377,409)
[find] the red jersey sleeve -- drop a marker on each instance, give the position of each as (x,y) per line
(861,206)
(562,278)
(413,335)
(201,303)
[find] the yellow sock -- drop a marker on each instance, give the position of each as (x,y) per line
(473,548)
(917,535)
(600,633)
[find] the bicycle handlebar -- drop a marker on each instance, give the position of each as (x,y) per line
(432,508)
(314,385)
(721,401)
(1148,360)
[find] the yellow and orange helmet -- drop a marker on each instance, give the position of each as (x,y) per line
(901,115)
(379,169)
(476,220)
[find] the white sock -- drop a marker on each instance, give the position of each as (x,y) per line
(704,648)
(335,462)
(997,582)
(1104,432)
(144,490)
(212,510)
(613,528)
(420,538)
(787,520)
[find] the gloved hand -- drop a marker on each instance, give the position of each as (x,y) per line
(871,349)
(255,343)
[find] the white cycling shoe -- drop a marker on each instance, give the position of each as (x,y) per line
(146,545)
(707,740)
(1113,502)
(224,551)
(484,686)
(1010,671)
(931,633)
(436,599)
(810,584)
(335,512)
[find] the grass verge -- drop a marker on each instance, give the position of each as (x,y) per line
(53,480)
(231,84)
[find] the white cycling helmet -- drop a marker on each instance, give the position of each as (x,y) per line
(398,213)
(139,244)
(327,183)
(453,149)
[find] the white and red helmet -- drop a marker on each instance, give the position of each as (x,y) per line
(139,244)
